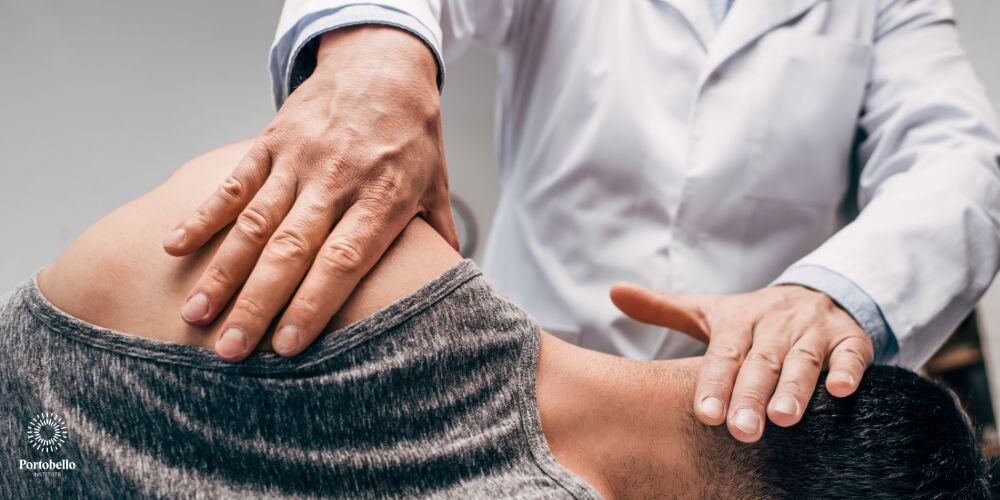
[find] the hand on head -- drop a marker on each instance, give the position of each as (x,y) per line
(766,350)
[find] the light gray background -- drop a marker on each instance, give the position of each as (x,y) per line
(99,101)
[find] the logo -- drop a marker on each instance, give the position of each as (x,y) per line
(46,432)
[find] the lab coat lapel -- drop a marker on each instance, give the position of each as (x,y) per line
(747,21)
(698,16)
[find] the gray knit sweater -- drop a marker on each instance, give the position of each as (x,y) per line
(433,396)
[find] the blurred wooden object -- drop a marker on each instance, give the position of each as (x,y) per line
(988,315)
(961,364)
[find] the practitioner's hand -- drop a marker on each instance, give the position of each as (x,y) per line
(355,152)
(765,350)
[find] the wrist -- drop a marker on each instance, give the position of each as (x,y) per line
(379,49)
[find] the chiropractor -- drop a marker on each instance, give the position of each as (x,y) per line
(815,182)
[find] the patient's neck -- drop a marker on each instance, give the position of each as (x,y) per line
(116,275)
(623,425)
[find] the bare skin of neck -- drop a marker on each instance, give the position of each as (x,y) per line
(621,425)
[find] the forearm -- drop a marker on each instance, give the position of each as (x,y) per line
(926,270)
(927,241)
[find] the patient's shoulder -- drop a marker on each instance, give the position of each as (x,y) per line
(117,275)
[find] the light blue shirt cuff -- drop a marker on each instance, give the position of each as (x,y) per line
(293,55)
(849,297)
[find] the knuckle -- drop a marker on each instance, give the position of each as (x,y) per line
(198,220)
(387,188)
(320,204)
(724,308)
(304,307)
(820,300)
(717,387)
(260,152)
(322,197)
(389,154)
(845,324)
(726,353)
(792,387)
(218,275)
(232,189)
(751,397)
(852,353)
(289,245)
(775,298)
(250,307)
(336,174)
(254,225)
(342,257)
(274,134)
(396,208)
(743,319)
(776,323)
(768,360)
(746,309)
(806,355)
(302,150)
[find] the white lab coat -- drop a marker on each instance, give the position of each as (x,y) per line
(638,141)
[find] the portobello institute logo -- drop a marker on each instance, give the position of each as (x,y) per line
(47,432)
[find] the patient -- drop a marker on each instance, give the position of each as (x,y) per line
(427,384)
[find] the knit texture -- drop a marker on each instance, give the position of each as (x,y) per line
(433,396)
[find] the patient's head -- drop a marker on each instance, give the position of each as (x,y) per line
(899,436)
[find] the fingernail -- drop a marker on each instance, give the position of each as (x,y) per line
(232,343)
(196,308)
(787,405)
(286,340)
(712,407)
(175,238)
(842,376)
(747,421)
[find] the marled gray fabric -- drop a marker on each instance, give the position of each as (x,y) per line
(433,396)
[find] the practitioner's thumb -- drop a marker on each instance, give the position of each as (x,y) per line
(685,313)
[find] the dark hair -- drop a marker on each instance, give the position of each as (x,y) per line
(899,436)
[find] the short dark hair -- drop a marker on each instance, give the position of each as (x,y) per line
(899,436)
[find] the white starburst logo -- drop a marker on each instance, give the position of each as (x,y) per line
(46,432)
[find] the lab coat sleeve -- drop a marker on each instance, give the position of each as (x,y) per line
(926,244)
(293,53)
(447,28)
